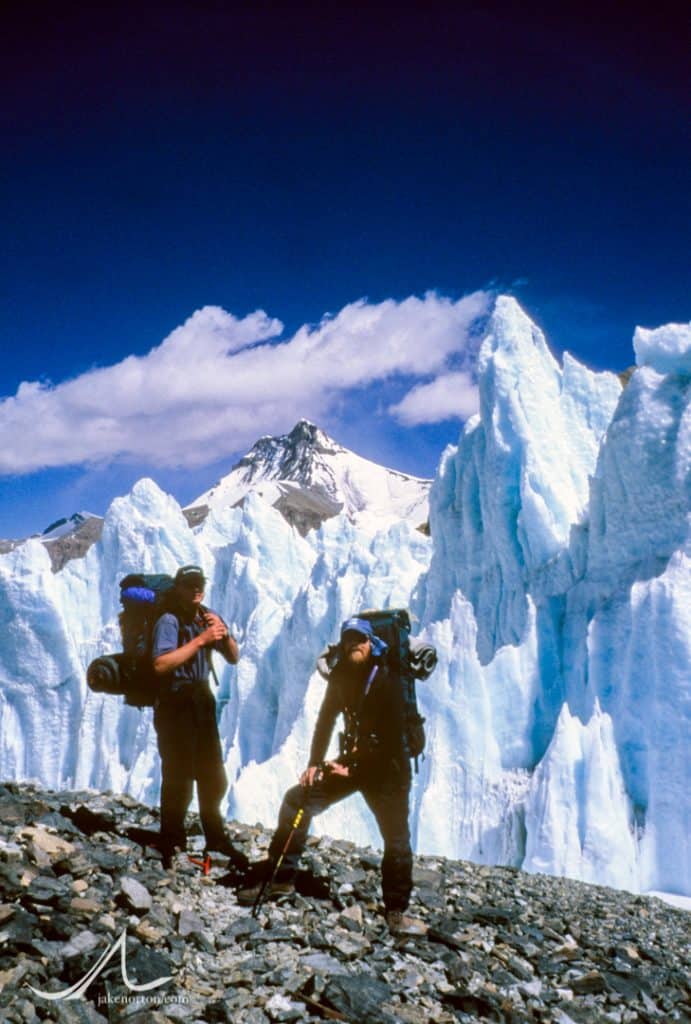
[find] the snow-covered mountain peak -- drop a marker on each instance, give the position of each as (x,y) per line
(297,456)
(309,477)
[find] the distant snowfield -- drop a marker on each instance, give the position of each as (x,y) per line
(556,585)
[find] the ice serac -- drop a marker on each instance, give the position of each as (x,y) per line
(562,518)
(506,500)
(579,819)
(555,584)
(665,349)
(631,614)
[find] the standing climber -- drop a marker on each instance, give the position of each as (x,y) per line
(373,760)
(185,716)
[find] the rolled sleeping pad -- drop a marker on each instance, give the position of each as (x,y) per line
(137,595)
(328,659)
(423,660)
(103,675)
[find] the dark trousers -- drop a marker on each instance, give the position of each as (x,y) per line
(190,750)
(386,794)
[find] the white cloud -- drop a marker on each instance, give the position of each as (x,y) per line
(451,396)
(216,383)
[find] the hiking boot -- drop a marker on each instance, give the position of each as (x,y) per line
(232,879)
(247,897)
(282,885)
(170,851)
(177,861)
(400,924)
(222,844)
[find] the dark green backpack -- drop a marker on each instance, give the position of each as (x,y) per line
(144,598)
(392,625)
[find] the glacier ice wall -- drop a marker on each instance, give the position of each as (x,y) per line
(556,586)
(563,518)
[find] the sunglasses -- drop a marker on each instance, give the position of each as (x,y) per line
(191,584)
(354,639)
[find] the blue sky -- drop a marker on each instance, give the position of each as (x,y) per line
(369,165)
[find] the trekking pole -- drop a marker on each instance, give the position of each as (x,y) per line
(268,881)
(212,670)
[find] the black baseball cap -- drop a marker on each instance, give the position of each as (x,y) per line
(190,574)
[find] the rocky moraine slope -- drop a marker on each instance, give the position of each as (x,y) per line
(503,945)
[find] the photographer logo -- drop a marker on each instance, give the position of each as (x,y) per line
(79,988)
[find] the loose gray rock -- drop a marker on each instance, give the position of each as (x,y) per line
(323,963)
(133,895)
(189,923)
(502,946)
(360,998)
(81,943)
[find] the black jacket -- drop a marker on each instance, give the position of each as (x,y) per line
(373,720)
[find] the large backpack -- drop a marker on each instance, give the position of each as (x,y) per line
(144,598)
(407,663)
